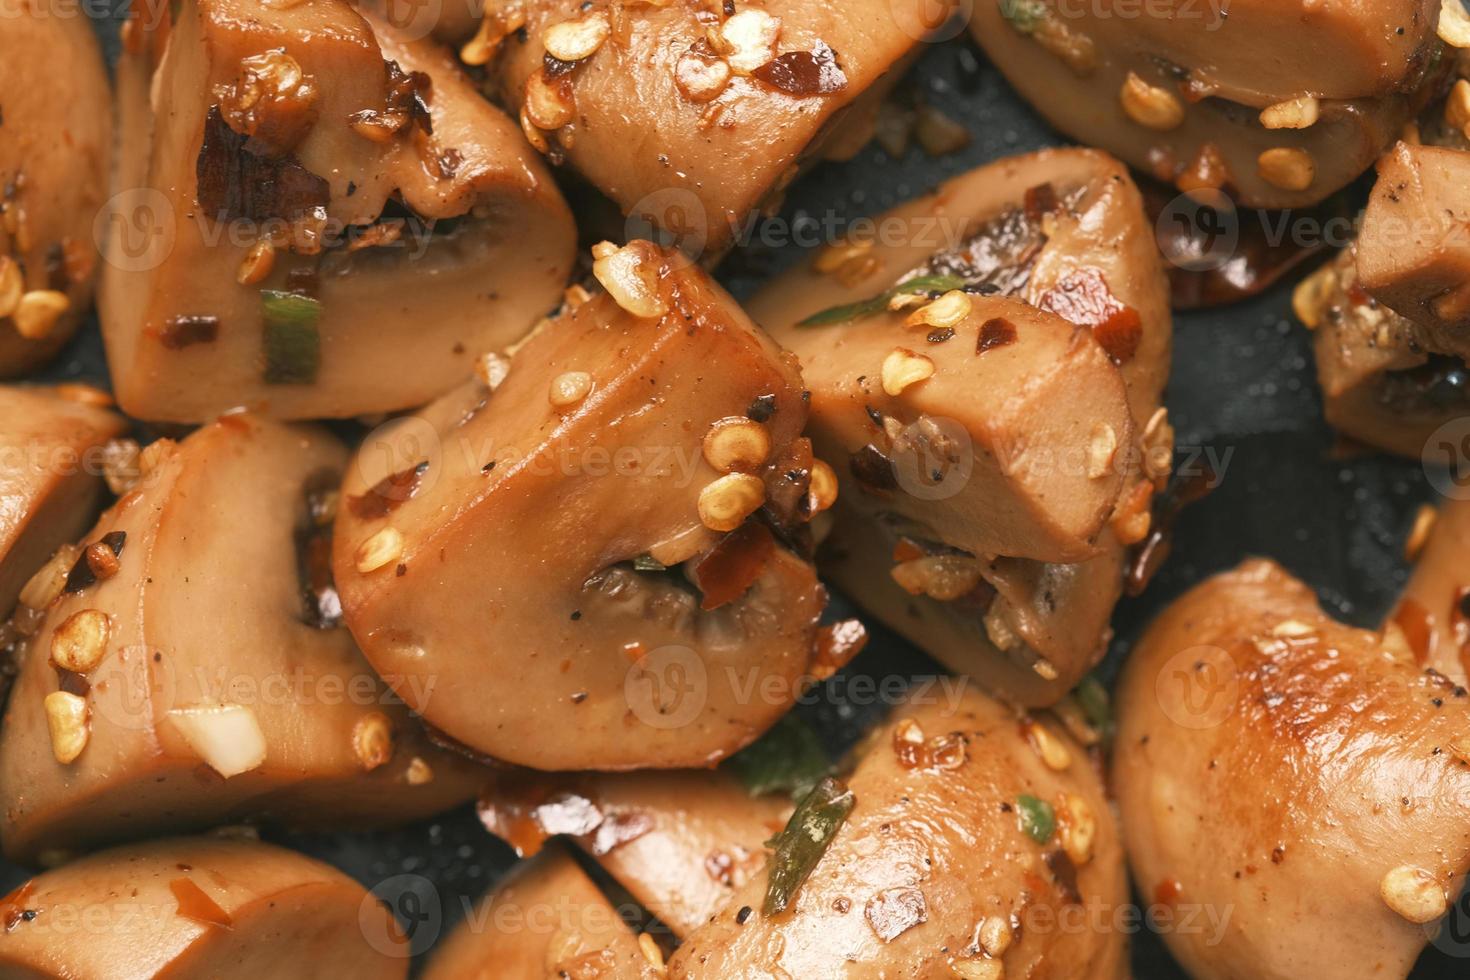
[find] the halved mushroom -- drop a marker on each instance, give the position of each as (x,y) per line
(969,841)
(55,145)
(681,843)
(196,907)
(547,918)
(1413,252)
(298,173)
(1277,105)
(190,668)
(522,545)
(1381,382)
(694,117)
(1432,617)
(50,478)
(990,365)
(1276,765)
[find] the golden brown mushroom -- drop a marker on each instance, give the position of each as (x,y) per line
(1414,250)
(977,843)
(546,919)
(998,418)
(55,144)
(1277,104)
(591,554)
(299,175)
(694,116)
(195,907)
(190,667)
(1275,764)
(50,478)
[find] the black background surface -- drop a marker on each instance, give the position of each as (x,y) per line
(1242,383)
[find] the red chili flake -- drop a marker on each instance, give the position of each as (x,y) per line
(728,570)
(186,331)
(942,752)
(1167,892)
(894,911)
(873,469)
(232,182)
(1064,873)
(388,494)
(554,66)
(804,73)
(1041,199)
(1418,627)
(1083,298)
(618,829)
(14,906)
(720,867)
(837,644)
(72,682)
(996,332)
(195,903)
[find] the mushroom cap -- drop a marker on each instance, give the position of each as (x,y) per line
(206,617)
(929,854)
(1274,763)
(54,163)
(197,907)
(548,649)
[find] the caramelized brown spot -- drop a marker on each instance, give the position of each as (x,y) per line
(804,73)
(996,332)
(388,494)
(1083,298)
(186,331)
(236,183)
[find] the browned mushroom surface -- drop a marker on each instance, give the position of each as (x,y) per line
(681,843)
(51,463)
(55,143)
(694,116)
(969,841)
(1277,104)
(1413,252)
(311,204)
(546,919)
(594,559)
(190,668)
(989,370)
(1276,765)
(196,907)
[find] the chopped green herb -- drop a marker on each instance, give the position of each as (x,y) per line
(787,759)
(647,563)
(1038,819)
(1024,15)
(1093,698)
(800,846)
(293,344)
(879,303)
